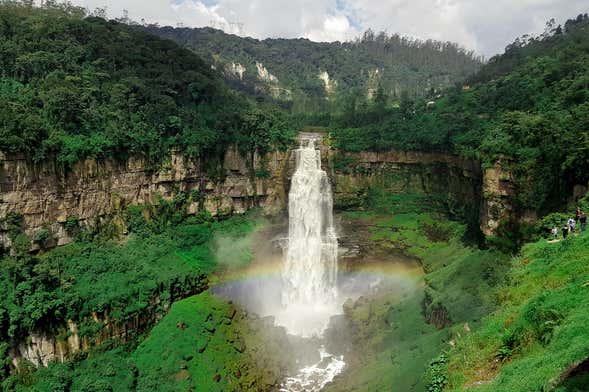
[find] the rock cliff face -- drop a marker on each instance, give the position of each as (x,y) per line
(455,183)
(498,192)
(95,192)
(42,347)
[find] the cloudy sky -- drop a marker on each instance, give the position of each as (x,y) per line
(485,26)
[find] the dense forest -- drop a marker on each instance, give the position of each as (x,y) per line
(73,87)
(394,63)
(528,108)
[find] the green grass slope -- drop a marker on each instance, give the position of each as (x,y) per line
(398,338)
(539,333)
(202,344)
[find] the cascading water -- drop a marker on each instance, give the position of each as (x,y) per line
(310,269)
(303,291)
(309,291)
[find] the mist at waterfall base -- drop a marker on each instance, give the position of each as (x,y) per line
(295,280)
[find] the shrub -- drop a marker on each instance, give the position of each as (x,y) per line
(542,319)
(436,376)
(72,224)
(504,353)
(13,223)
(188,235)
(262,173)
(21,245)
(42,236)
(557,219)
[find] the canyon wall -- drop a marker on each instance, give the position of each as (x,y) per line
(94,192)
(451,182)
(97,192)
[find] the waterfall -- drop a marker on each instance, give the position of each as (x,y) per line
(310,265)
(309,276)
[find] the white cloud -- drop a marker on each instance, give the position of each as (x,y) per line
(482,25)
(334,28)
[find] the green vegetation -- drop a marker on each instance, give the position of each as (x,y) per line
(538,334)
(528,314)
(201,323)
(393,63)
(395,343)
(75,280)
(399,337)
(530,114)
(163,259)
(98,371)
(75,87)
(203,343)
(458,278)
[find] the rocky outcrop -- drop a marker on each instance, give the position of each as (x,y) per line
(94,191)
(498,198)
(43,347)
(235,70)
(264,75)
(329,84)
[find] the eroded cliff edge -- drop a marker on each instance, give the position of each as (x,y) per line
(95,192)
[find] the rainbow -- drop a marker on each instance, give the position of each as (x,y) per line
(407,273)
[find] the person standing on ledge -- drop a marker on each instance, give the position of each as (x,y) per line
(572,225)
(565,231)
(583,222)
(579,213)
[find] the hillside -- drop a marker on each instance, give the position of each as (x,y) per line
(302,73)
(537,338)
(75,87)
(530,114)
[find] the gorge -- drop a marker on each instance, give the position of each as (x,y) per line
(95,191)
(208,212)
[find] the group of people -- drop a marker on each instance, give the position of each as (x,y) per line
(571,225)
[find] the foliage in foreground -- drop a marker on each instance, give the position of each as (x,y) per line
(539,331)
(203,343)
